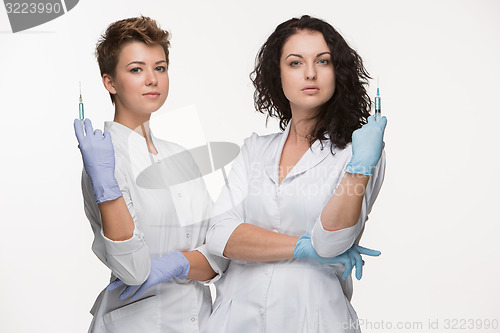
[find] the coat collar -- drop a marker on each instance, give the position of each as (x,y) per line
(311,158)
(124,136)
(132,146)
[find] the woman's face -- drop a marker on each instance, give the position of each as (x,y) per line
(140,83)
(307,74)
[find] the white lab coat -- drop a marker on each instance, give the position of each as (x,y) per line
(291,295)
(167,218)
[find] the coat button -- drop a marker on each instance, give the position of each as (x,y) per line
(179,195)
(193,319)
(262,311)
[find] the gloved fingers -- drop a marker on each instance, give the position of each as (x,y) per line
(98,133)
(382,122)
(126,293)
(107,135)
(355,259)
(347,269)
(352,253)
(366,251)
(371,120)
(359,264)
(340,259)
(115,284)
(78,130)
(145,286)
(302,244)
(88,126)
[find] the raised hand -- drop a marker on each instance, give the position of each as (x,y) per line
(99,160)
(367,145)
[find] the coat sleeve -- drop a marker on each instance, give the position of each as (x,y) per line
(332,243)
(228,211)
(218,264)
(128,260)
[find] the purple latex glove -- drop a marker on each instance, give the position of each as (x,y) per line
(99,160)
(162,269)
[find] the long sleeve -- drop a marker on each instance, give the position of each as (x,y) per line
(332,243)
(218,264)
(128,260)
(228,211)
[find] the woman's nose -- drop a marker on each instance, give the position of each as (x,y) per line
(151,79)
(310,72)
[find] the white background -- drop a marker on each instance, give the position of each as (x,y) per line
(436,220)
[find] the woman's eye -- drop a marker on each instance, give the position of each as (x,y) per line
(323,61)
(161,68)
(295,63)
(135,70)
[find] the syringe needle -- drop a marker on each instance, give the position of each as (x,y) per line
(80,107)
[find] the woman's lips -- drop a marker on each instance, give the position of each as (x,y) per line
(310,90)
(152,94)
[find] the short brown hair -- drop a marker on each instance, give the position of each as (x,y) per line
(141,29)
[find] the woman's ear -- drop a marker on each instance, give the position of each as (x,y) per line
(107,80)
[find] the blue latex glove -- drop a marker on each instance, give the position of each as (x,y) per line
(354,254)
(367,144)
(162,269)
(350,258)
(99,160)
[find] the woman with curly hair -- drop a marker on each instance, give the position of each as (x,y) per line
(296,197)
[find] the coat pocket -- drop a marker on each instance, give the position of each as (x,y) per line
(218,321)
(140,316)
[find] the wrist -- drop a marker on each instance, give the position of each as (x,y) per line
(354,179)
(106,192)
(183,264)
(302,247)
(360,168)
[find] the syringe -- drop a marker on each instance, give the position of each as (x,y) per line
(80,106)
(377,104)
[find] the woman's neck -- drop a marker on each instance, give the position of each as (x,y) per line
(138,124)
(301,127)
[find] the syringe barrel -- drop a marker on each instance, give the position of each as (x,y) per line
(82,115)
(377,105)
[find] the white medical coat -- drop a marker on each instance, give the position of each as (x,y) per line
(292,295)
(168,217)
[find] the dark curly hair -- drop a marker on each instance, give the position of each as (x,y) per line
(350,105)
